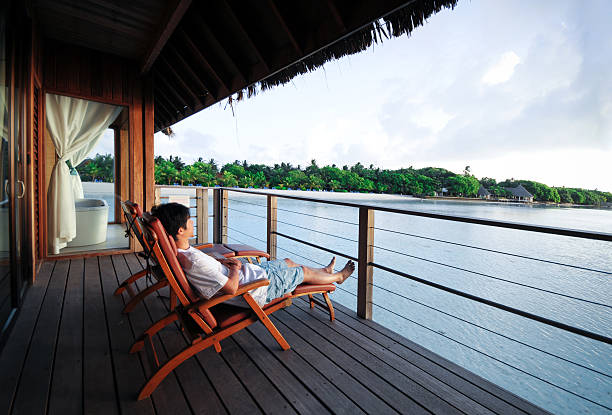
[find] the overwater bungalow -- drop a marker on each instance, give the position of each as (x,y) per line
(71,70)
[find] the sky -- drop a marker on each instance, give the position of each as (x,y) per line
(519,89)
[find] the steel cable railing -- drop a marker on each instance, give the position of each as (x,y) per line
(370,263)
(246,213)
(495,251)
(246,203)
(531,316)
(496,359)
(320,217)
(316,231)
(493,277)
(492,331)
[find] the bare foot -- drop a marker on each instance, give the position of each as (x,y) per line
(346,272)
(330,268)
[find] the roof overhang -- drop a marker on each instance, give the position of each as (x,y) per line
(199,53)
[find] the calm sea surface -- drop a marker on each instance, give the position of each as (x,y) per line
(511,351)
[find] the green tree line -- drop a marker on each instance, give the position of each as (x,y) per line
(357,178)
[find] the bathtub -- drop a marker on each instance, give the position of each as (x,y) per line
(91,222)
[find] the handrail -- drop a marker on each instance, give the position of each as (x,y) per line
(4,202)
(602,236)
(367,263)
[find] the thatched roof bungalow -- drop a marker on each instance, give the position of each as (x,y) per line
(520,193)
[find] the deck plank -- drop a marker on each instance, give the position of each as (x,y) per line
(362,386)
(66,387)
(98,379)
(193,381)
(408,350)
(396,389)
(384,362)
(301,398)
(35,381)
(16,349)
(68,353)
(268,398)
(417,361)
(128,371)
(326,390)
(168,397)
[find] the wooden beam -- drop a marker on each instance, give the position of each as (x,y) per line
(180,80)
(169,22)
(336,15)
(241,29)
(162,110)
(187,68)
(179,98)
(201,24)
(204,62)
(283,24)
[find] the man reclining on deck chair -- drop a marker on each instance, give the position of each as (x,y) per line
(210,276)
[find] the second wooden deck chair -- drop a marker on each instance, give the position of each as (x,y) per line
(206,322)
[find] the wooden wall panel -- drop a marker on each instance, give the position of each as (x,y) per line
(87,74)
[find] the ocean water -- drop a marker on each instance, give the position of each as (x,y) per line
(559,371)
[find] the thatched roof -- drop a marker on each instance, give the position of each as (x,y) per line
(483,192)
(198,53)
(311,34)
(519,191)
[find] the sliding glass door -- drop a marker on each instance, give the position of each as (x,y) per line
(13,70)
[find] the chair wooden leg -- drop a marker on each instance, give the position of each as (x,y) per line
(173,300)
(152,330)
(267,322)
(311,300)
(141,295)
(330,307)
(126,285)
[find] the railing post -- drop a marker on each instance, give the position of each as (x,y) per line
(157,196)
(220,216)
(365,259)
(271,228)
(202,214)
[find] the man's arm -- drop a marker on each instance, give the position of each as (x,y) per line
(233,278)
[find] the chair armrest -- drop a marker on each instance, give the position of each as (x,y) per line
(218,299)
(202,246)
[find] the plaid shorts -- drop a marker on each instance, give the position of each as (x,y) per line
(283,279)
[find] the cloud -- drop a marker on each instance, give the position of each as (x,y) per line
(503,70)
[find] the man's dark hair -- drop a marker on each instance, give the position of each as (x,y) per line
(172,215)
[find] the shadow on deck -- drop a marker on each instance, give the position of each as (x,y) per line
(68,353)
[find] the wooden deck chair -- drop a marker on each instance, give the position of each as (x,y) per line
(206,322)
(132,211)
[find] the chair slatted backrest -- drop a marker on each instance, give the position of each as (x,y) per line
(131,211)
(165,251)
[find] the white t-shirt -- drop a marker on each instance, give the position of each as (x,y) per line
(208,276)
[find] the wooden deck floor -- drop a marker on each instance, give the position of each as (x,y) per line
(68,354)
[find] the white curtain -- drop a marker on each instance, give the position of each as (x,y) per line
(75,126)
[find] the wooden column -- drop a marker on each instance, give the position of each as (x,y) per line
(271,228)
(202,214)
(220,216)
(366,257)
(148,130)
